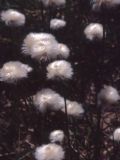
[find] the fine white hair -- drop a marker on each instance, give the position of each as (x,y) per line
(63,50)
(34,38)
(47,99)
(49,152)
(14,70)
(44,46)
(12,17)
(108,95)
(73,108)
(57,23)
(96,4)
(116,135)
(53,2)
(56,136)
(59,69)
(94,31)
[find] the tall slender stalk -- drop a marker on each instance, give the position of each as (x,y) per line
(67,129)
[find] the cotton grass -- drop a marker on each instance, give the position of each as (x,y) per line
(108,95)
(63,51)
(49,152)
(60,69)
(43,46)
(94,31)
(116,135)
(34,38)
(56,136)
(47,99)
(12,17)
(74,108)
(56,24)
(13,71)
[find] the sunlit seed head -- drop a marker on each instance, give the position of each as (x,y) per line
(41,46)
(49,152)
(44,46)
(57,23)
(63,50)
(56,136)
(12,17)
(108,95)
(44,51)
(14,70)
(33,38)
(116,135)
(94,31)
(47,99)
(73,108)
(59,69)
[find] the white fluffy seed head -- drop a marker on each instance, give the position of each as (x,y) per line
(34,38)
(116,135)
(39,45)
(108,95)
(13,18)
(14,70)
(96,4)
(56,136)
(47,99)
(60,69)
(49,152)
(44,50)
(73,108)
(57,23)
(43,46)
(63,50)
(94,31)
(53,2)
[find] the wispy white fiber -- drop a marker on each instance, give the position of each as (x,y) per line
(34,38)
(94,31)
(47,99)
(116,135)
(56,136)
(59,69)
(14,70)
(12,17)
(63,50)
(57,23)
(73,108)
(44,46)
(49,152)
(108,95)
